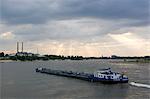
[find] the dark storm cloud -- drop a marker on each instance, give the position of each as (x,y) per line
(42,11)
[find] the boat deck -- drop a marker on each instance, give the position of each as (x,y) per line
(78,75)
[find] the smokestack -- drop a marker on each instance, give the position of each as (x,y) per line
(17,47)
(22,46)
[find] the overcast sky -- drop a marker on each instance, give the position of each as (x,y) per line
(76,27)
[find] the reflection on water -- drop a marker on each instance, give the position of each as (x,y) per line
(20,81)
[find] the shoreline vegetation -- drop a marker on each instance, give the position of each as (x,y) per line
(33,57)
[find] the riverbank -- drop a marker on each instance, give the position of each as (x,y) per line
(130,61)
(110,60)
(2,61)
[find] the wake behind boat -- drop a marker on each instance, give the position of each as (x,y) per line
(139,85)
(102,75)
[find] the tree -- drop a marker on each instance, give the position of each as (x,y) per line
(2,54)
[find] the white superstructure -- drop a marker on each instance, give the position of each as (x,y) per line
(109,75)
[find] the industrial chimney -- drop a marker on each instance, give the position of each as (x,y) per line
(17,47)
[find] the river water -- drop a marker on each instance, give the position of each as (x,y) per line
(18,80)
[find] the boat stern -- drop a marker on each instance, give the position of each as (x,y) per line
(124,79)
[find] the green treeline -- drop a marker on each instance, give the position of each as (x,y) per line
(31,57)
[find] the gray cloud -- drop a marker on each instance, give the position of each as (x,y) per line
(79,29)
(42,11)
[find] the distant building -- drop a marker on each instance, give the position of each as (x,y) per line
(24,54)
(14,54)
(114,56)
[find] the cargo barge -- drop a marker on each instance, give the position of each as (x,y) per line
(102,75)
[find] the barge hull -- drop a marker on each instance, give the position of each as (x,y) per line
(77,75)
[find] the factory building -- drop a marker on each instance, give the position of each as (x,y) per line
(22,53)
